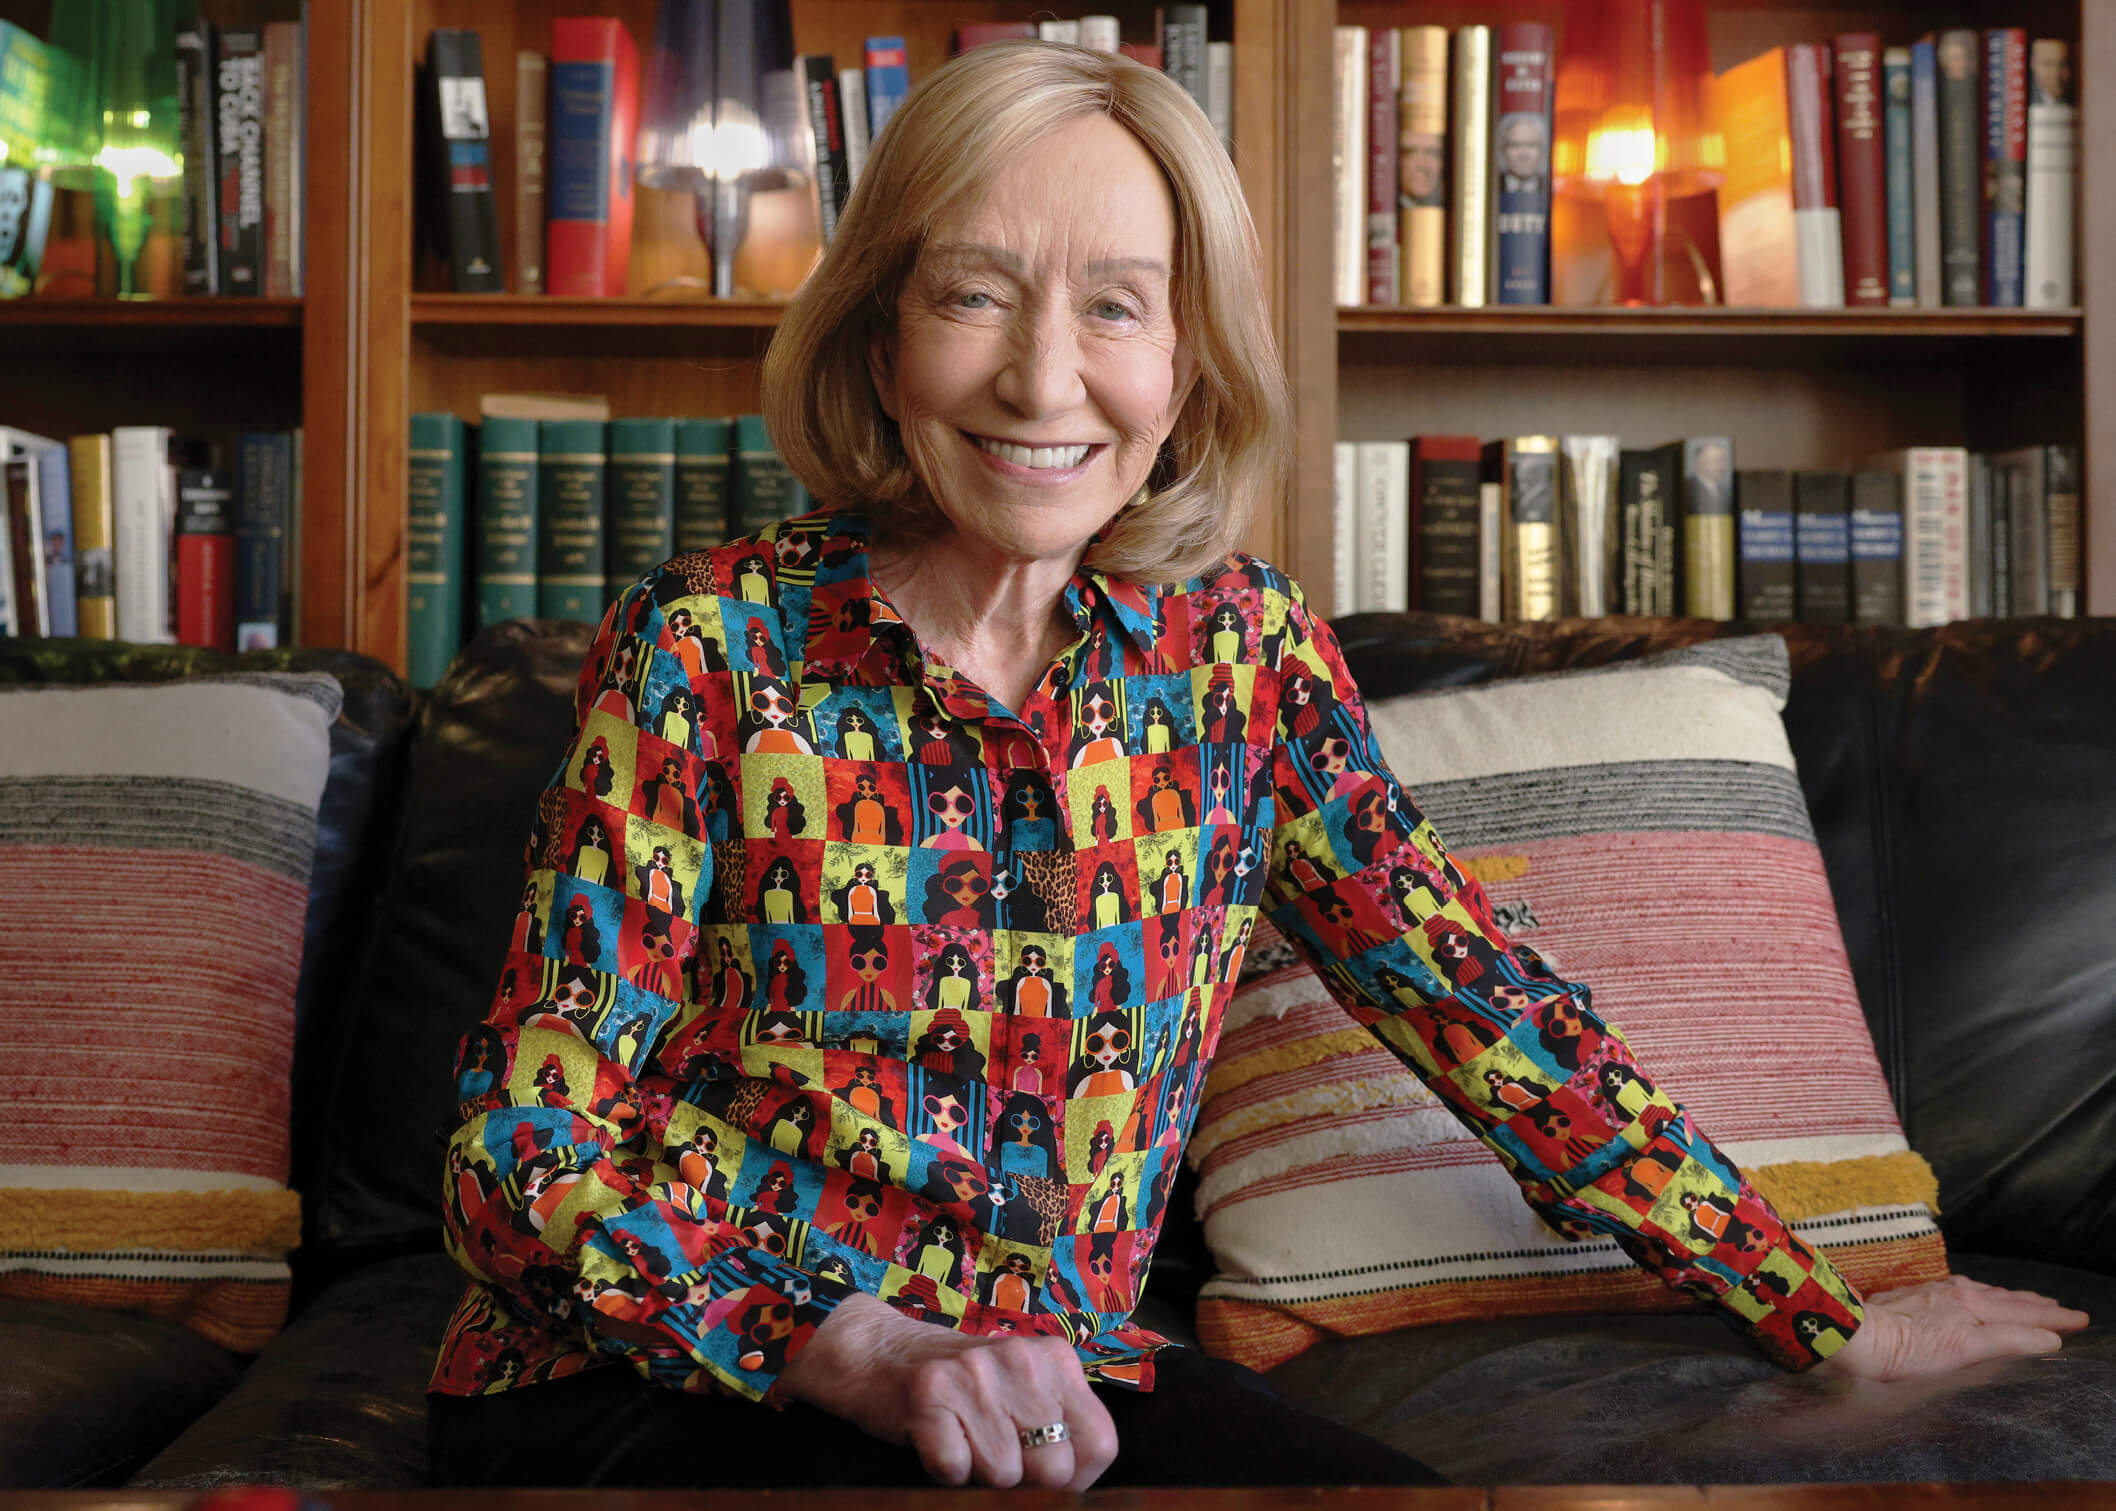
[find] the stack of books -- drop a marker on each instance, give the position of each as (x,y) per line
(241,95)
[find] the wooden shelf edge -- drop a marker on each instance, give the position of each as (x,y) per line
(547,311)
(155,314)
(1546,320)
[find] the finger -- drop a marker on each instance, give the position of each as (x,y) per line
(995,1444)
(1093,1434)
(943,1447)
(2005,1340)
(2024,1308)
(1050,1466)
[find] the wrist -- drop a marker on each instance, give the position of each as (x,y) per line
(858,1358)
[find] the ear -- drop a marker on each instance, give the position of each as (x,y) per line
(881,365)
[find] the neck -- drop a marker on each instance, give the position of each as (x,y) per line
(995,616)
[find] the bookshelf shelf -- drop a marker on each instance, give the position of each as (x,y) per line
(547,313)
(155,314)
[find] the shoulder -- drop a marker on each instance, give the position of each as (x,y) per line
(1245,593)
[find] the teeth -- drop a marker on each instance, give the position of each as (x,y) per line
(1037,456)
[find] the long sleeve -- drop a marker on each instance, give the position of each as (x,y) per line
(1407,942)
(582,1187)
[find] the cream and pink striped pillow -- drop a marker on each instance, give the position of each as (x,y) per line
(155,848)
(1642,827)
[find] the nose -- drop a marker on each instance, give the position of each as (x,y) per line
(1040,375)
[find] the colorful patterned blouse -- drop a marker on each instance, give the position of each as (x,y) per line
(833,973)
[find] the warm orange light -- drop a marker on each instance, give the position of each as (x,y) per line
(1623,149)
(1634,89)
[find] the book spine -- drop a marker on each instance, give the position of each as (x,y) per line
(1184,41)
(239,157)
(1822,546)
(1445,472)
(532,84)
(1469,246)
(1759,246)
(1588,543)
(2052,178)
(1646,485)
(2061,498)
(1384,88)
(95,537)
(1902,210)
(1348,156)
(1876,548)
(1862,168)
(1998,489)
(139,487)
(264,517)
(1527,467)
(1766,566)
(282,55)
(506,520)
(1925,169)
(433,545)
(702,467)
(888,81)
(205,559)
(1421,166)
(54,494)
(1491,510)
(1099,33)
(826,122)
(593,117)
(1707,557)
(459,167)
(2028,508)
(1816,220)
(852,106)
(290,558)
(8,623)
(1980,596)
(1383,526)
(1067,32)
(1219,91)
(572,545)
(1520,169)
(642,500)
(194,113)
(1961,168)
(764,491)
(2006,163)
(1344,528)
(21,529)
(1935,534)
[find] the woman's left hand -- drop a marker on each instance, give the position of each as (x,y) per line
(1946,1324)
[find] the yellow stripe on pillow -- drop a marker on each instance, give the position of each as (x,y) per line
(101,1222)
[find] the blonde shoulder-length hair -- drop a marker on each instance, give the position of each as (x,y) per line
(1229,451)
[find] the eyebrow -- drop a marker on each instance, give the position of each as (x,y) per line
(978,251)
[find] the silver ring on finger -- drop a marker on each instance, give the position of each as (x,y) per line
(1041,1437)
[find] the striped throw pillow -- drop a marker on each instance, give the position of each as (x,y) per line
(155,846)
(1642,826)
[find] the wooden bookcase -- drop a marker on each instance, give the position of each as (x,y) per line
(370,343)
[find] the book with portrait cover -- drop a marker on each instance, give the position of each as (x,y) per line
(2053,182)
(1520,166)
(94,536)
(1421,167)
(1708,527)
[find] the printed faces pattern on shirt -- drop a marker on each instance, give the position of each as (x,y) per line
(831,975)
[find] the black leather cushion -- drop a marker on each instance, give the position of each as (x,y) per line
(353,823)
(488,739)
(1681,1399)
(87,1396)
(338,1400)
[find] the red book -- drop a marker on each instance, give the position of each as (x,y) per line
(1148,53)
(1862,168)
(1812,121)
(205,559)
(1384,82)
(593,117)
(978,33)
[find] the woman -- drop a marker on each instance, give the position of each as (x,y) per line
(1032,384)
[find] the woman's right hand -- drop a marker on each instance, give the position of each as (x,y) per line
(962,1402)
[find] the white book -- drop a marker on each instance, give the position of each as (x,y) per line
(1819,234)
(1925,171)
(2053,179)
(1348,161)
(15,443)
(1935,532)
(852,105)
(1588,525)
(1344,504)
(1099,33)
(1469,254)
(1383,526)
(1059,31)
(1219,90)
(143,504)
(1491,604)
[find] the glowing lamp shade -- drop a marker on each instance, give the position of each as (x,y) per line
(1633,120)
(125,111)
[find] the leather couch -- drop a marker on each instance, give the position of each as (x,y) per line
(1959,781)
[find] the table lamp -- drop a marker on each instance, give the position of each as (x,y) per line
(125,113)
(1634,128)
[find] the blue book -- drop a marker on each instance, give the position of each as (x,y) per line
(1764,563)
(1822,546)
(888,81)
(1876,548)
(433,540)
(1902,211)
(2006,163)
(1522,68)
(264,520)
(55,506)
(1925,168)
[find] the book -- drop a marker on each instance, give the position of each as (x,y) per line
(703,465)
(642,487)
(824,139)
(1902,209)
(1219,91)
(1862,168)
(572,544)
(205,558)
(1526,470)
(1649,482)
(53,485)
(1935,492)
(1817,222)
(1996,539)
(291,589)
(1925,168)
(1980,537)
(592,120)
(1491,510)
(1759,246)
(1384,60)
(283,158)
(2006,163)
(1961,120)
(433,546)
(1590,542)
(2061,493)
(852,106)
(1708,535)
(2052,178)
(1100,33)
(1183,44)
(22,527)
(888,81)
(1764,572)
(1876,547)
(1520,167)
(506,519)
(1822,546)
(265,564)
(1348,156)
(532,85)
(94,536)
(239,131)
(144,509)
(544,406)
(761,490)
(2027,526)
(1067,32)
(1344,534)
(1382,527)
(1445,473)
(194,128)
(1421,167)
(1469,237)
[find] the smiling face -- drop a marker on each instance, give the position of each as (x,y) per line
(1039,321)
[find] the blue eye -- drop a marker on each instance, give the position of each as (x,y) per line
(1113,309)
(963,299)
